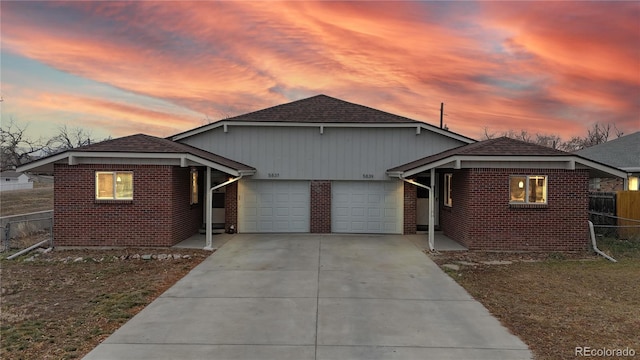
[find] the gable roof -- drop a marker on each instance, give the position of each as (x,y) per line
(499,150)
(320,110)
(143,146)
(623,152)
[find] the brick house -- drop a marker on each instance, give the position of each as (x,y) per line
(321,165)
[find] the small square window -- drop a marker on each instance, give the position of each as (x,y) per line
(111,185)
(528,189)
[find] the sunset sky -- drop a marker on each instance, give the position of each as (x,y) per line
(161,67)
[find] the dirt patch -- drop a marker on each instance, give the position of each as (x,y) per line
(60,305)
(556,302)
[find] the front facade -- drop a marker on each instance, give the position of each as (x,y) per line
(318,165)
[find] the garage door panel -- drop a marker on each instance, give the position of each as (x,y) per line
(366,207)
(273,206)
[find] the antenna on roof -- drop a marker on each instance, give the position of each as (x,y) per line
(441,114)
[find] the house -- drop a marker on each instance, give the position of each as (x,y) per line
(12,180)
(321,165)
(623,153)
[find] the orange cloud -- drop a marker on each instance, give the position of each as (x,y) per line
(537,66)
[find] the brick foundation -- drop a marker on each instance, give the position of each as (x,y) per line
(481,217)
(159,214)
(320,216)
(410,208)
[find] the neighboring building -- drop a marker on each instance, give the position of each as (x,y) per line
(12,180)
(321,165)
(622,153)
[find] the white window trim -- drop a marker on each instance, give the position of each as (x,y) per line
(448,200)
(526,190)
(114,174)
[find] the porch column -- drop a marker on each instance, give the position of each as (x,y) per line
(432,217)
(208,213)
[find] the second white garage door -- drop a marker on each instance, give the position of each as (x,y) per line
(273,206)
(366,207)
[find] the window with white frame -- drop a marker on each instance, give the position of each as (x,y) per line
(447,190)
(528,189)
(114,185)
(194,186)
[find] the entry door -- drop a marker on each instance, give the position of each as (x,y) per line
(367,207)
(273,206)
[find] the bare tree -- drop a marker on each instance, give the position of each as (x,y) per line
(69,138)
(15,147)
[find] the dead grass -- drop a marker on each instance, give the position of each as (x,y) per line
(560,301)
(16,202)
(58,308)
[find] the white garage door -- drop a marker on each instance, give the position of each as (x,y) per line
(366,207)
(273,206)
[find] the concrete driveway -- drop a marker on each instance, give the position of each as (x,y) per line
(314,297)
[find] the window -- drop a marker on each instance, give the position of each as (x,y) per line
(447,190)
(194,186)
(528,189)
(111,185)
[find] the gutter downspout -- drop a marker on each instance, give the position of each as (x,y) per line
(209,245)
(595,246)
(431,214)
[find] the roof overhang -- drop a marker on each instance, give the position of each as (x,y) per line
(226,124)
(86,157)
(569,162)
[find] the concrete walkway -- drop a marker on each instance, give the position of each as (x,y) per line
(314,297)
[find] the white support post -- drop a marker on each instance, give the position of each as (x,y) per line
(432,215)
(209,230)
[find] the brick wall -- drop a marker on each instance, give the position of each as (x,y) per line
(231,206)
(147,220)
(320,216)
(410,208)
(482,218)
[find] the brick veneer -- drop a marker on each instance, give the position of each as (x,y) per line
(482,218)
(231,206)
(320,216)
(410,208)
(158,215)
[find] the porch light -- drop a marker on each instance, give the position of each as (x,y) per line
(118,179)
(521,185)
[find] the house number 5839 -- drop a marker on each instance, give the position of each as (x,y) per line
(367,176)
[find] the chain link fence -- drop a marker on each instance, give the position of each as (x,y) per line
(21,233)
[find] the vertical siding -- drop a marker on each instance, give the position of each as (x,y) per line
(302,153)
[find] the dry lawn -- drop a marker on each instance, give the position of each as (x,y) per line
(17,202)
(560,301)
(57,309)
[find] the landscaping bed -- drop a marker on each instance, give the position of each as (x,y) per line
(62,304)
(557,302)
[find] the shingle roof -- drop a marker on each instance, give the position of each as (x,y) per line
(502,146)
(623,152)
(322,109)
(141,143)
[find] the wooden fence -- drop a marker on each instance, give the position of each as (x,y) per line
(628,207)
